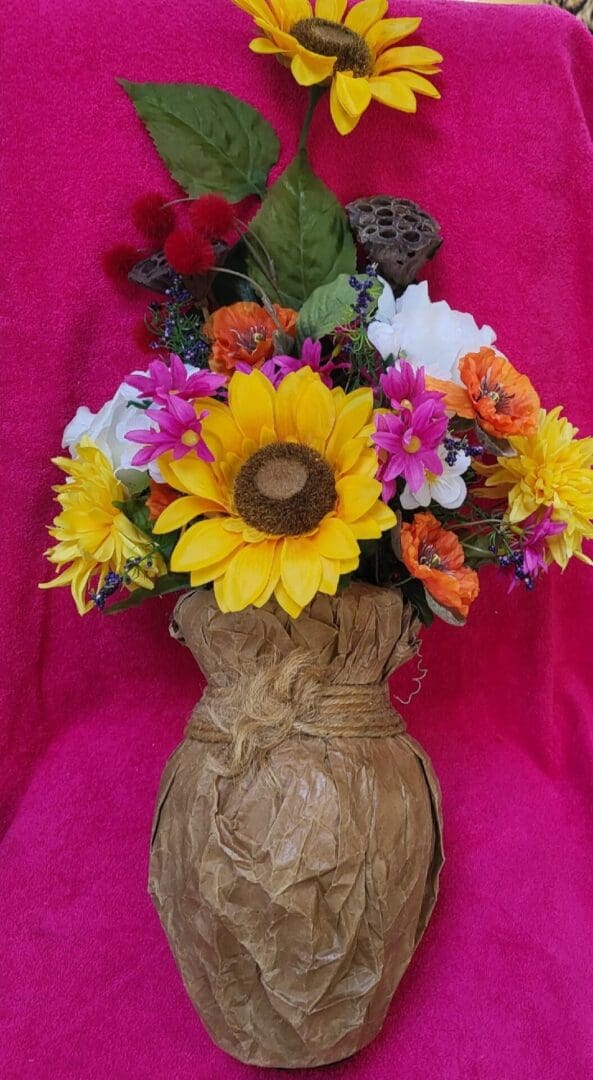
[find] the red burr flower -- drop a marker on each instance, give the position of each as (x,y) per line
(152,217)
(212,215)
(188,252)
(118,260)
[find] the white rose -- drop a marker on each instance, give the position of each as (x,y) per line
(107,429)
(431,335)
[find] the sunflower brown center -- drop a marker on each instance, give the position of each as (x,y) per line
(284,489)
(333,39)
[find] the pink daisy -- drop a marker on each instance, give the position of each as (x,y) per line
(408,445)
(405,387)
(179,430)
(163,380)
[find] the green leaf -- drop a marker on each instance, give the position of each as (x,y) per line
(209,140)
(415,592)
(305,231)
(168,583)
(327,307)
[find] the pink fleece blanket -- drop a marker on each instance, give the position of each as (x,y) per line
(501,985)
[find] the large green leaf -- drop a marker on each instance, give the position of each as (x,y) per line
(329,306)
(209,140)
(304,230)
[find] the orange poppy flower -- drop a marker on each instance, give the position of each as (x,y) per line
(494,393)
(244,332)
(161,495)
(435,556)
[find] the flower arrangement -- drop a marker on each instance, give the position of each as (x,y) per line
(364,433)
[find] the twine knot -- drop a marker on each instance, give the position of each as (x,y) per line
(290,697)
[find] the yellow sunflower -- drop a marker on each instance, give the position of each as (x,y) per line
(551,468)
(94,536)
(289,494)
(356,49)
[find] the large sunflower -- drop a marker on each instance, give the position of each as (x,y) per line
(288,496)
(357,50)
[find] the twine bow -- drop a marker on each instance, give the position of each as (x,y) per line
(291,697)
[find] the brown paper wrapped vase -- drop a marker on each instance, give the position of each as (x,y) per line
(296,845)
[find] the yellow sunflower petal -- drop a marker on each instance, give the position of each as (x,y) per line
(290,606)
(195,476)
(353,93)
(251,401)
(418,83)
(387,32)
(286,402)
(332,9)
(370,525)
(316,415)
(258,9)
(211,573)
(344,122)
(291,11)
(354,414)
(273,579)
(204,544)
(248,574)
(362,16)
(356,496)
(334,540)
(346,566)
(349,454)
(219,593)
(264,45)
(330,576)
(391,91)
(309,68)
(300,568)
(407,56)
(178,513)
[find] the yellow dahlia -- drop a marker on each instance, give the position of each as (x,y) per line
(552,469)
(289,494)
(356,50)
(94,536)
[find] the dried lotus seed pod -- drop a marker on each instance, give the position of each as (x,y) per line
(396,234)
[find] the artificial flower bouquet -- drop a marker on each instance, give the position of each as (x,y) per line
(320,459)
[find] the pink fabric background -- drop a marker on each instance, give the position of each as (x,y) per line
(501,985)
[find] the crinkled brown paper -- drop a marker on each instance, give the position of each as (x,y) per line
(293,907)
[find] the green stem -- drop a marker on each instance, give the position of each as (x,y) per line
(267,303)
(315,94)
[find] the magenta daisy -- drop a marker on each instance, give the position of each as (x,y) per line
(279,366)
(408,445)
(534,545)
(405,387)
(179,430)
(163,380)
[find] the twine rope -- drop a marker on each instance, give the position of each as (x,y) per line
(287,698)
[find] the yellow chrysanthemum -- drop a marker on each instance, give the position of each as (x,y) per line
(356,49)
(289,494)
(93,535)
(552,468)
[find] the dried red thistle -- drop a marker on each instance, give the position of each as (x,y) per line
(189,252)
(212,215)
(152,217)
(118,260)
